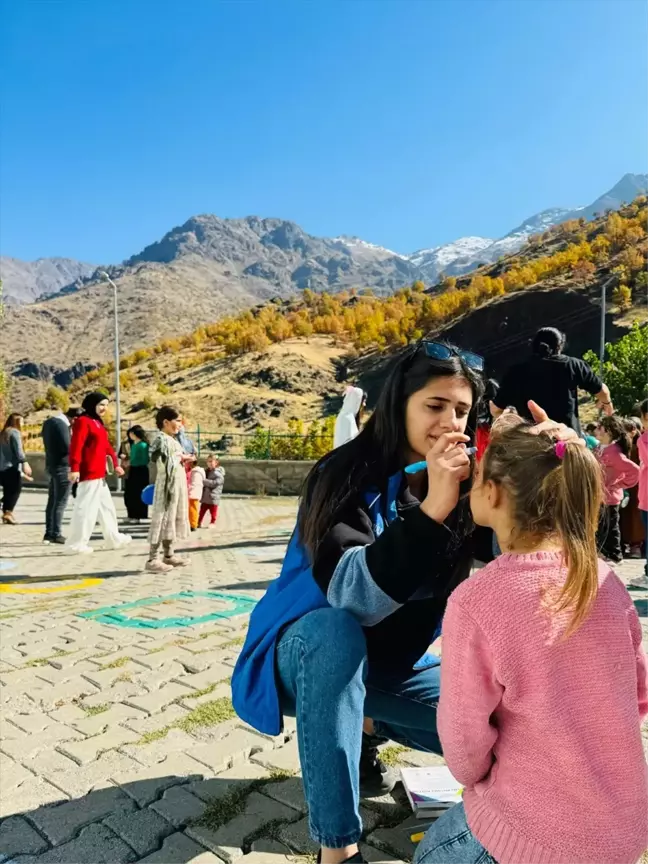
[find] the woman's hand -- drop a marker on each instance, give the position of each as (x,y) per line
(27,471)
(448,466)
(558,430)
(73,476)
(119,471)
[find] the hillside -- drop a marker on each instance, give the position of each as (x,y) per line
(211,267)
(288,358)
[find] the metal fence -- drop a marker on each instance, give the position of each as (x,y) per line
(260,444)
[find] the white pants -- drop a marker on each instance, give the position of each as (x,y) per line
(94,502)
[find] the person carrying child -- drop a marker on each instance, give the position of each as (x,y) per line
(213,489)
(619,473)
(544,682)
(197,479)
(169,516)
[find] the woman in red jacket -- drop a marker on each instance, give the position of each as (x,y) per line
(90,450)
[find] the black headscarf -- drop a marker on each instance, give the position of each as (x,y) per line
(90,403)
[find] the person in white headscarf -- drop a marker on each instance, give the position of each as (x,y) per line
(347,423)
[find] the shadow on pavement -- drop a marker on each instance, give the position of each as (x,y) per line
(245,544)
(261,585)
(159,816)
(68,577)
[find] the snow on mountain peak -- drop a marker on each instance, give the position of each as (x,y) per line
(358,244)
(439,257)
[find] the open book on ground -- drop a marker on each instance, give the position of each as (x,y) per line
(431,790)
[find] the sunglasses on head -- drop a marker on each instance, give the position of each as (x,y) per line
(440,351)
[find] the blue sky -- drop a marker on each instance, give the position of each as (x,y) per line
(408,124)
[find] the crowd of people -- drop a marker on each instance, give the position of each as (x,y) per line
(376,572)
(537,699)
(79,457)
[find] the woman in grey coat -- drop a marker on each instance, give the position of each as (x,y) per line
(12,467)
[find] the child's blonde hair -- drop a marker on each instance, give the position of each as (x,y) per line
(553,490)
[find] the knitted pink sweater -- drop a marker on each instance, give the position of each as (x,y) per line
(544,734)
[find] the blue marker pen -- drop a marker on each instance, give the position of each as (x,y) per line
(421,466)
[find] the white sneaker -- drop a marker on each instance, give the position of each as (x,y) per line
(124,540)
(79,550)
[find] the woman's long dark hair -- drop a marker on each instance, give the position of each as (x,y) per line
(615,428)
(379,450)
(140,432)
(14,421)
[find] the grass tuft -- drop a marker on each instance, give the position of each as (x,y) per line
(93,710)
(209,714)
(116,664)
(155,735)
(392,754)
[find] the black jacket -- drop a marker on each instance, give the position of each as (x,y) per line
(56,438)
(398,583)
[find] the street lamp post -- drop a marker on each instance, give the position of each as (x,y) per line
(117,393)
(603,310)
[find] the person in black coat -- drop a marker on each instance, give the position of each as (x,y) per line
(56,434)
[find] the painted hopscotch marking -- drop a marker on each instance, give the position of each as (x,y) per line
(14,588)
(241,605)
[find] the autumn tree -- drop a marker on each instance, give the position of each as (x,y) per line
(583,270)
(632,259)
(622,296)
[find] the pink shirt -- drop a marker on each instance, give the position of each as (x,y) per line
(642,446)
(619,473)
(544,734)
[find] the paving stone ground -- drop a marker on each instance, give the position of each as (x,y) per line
(117,738)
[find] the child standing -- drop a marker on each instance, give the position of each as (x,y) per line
(213,489)
(642,447)
(169,516)
(552,770)
(197,479)
(619,473)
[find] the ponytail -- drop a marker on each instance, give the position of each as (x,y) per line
(576,492)
(555,489)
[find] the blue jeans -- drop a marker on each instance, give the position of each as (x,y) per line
(450,841)
(326,683)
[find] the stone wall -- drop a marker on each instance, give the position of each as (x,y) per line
(243,476)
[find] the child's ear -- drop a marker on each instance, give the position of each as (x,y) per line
(494,493)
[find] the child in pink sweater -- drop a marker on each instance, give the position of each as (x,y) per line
(619,473)
(642,447)
(543,677)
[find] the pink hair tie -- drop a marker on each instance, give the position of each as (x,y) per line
(560,448)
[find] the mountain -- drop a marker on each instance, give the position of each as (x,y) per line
(267,365)
(438,259)
(27,281)
(209,267)
(624,191)
(628,187)
(198,272)
(276,256)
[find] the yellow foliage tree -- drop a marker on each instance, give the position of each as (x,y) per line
(622,296)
